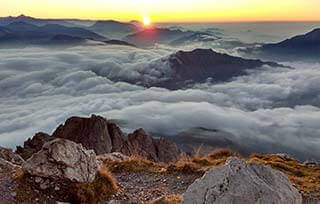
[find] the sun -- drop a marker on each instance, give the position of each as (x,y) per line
(146,21)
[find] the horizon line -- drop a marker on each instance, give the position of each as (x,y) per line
(168,22)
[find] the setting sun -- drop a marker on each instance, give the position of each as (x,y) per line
(146,21)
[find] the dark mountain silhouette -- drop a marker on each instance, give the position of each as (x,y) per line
(199,65)
(119,42)
(66,40)
(151,36)
(36,21)
(113,29)
(301,47)
(72,31)
(21,33)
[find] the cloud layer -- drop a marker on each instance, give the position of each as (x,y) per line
(40,88)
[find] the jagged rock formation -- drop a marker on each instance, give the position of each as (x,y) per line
(241,182)
(103,137)
(93,133)
(33,145)
(8,155)
(61,160)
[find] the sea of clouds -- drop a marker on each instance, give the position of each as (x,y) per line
(40,88)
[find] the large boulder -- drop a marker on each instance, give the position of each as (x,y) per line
(242,183)
(33,145)
(94,133)
(61,160)
(10,156)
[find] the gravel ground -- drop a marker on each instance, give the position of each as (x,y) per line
(143,187)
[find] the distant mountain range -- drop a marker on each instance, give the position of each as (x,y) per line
(114,29)
(21,33)
(151,36)
(301,47)
(35,21)
(24,30)
(195,37)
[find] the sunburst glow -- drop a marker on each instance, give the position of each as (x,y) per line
(146,21)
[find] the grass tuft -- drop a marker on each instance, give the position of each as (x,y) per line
(100,189)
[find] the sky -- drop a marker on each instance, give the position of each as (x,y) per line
(168,10)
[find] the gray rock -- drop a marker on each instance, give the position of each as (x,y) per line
(63,159)
(242,183)
(9,155)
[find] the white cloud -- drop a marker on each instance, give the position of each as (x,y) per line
(41,89)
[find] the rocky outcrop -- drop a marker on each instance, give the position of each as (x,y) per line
(241,182)
(167,151)
(159,150)
(33,145)
(93,133)
(142,144)
(104,136)
(62,160)
(8,155)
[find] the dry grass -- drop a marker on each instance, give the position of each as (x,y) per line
(100,189)
(199,163)
(193,164)
(135,163)
(306,180)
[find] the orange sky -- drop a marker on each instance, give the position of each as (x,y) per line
(167,10)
